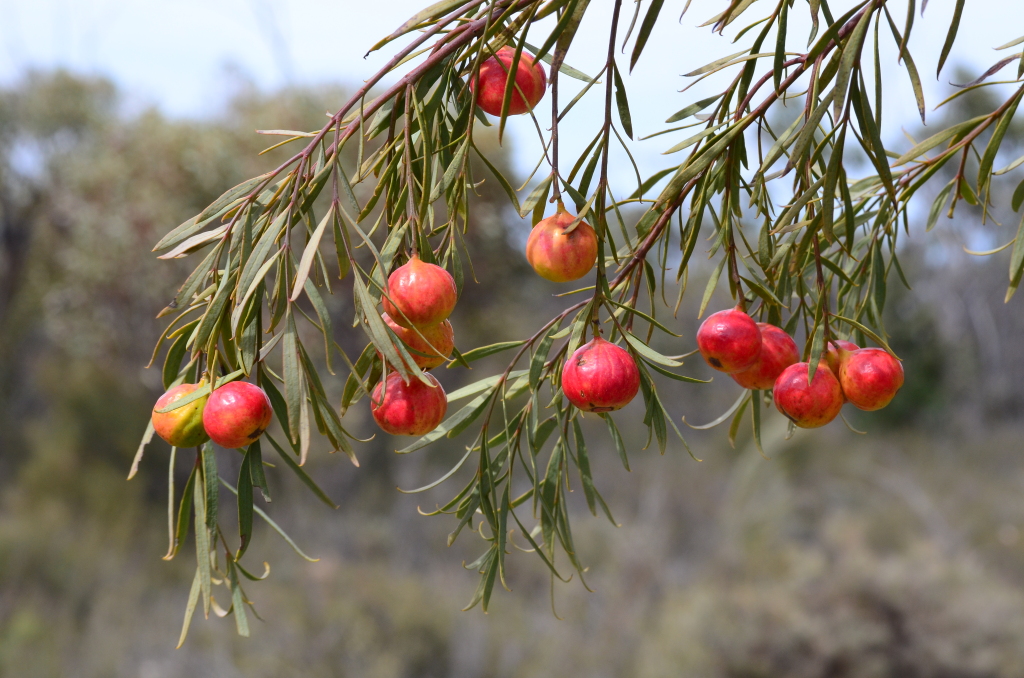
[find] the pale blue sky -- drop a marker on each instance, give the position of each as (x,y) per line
(176,54)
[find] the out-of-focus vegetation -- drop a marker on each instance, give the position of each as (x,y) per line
(898,553)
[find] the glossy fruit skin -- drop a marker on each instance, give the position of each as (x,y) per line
(778,351)
(730,341)
(440,337)
(530,81)
(808,405)
(182,427)
(600,377)
(237,414)
(870,378)
(420,294)
(559,256)
(408,409)
(833,355)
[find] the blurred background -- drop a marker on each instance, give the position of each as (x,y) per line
(895,553)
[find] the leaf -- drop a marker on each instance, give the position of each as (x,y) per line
(303,476)
(484,351)
(868,332)
(302,273)
(238,604)
(950,36)
(1018,196)
(693,108)
(210,482)
(202,548)
(851,50)
(190,609)
(277,528)
(712,284)
(424,16)
(940,202)
(184,513)
(536,196)
(244,503)
(648,352)
(622,103)
(650,19)
(613,431)
(690,141)
(502,181)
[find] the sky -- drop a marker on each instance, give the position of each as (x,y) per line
(180,56)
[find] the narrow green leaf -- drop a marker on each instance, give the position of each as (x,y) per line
(303,476)
(277,528)
(693,108)
(622,103)
(190,609)
(244,503)
(712,284)
(954,26)
(650,19)
(210,480)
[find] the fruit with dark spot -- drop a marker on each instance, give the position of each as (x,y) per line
(237,414)
(436,341)
(530,83)
(600,377)
(420,294)
(559,254)
(730,341)
(808,405)
(181,427)
(408,409)
(778,351)
(870,378)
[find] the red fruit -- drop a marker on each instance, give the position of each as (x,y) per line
(237,414)
(530,82)
(834,355)
(778,351)
(440,337)
(408,409)
(730,341)
(600,377)
(420,294)
(870,378)
(182,427)
(808,405)
(561,256)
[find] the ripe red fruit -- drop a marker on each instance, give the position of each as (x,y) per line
(561,256)
(808,405)
(441,337)
(530,82)
(182,427)
(423,293)
(730,341)
(600,377)
(408,409)
(870,378)
(237,414)
(778,351)
(833,356)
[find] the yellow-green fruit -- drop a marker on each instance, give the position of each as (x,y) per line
(182,427)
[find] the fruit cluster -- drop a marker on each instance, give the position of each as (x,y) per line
(760,356)
(419,299)
(234,415)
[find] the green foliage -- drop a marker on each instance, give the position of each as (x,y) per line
(800,241)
